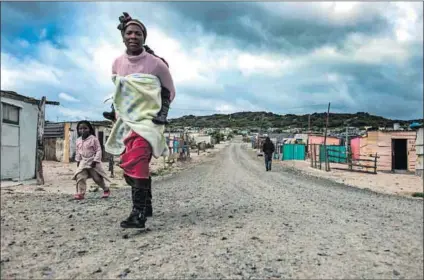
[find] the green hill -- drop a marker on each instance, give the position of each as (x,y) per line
(270,120)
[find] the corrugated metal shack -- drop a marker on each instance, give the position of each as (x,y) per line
(60,139)
(317,140)
(54,135)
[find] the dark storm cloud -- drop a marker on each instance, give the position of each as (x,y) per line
(386,79)
(252,26)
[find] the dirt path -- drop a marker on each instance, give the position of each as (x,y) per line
(388,183)
(226,218)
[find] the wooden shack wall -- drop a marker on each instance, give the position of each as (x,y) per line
(380,142)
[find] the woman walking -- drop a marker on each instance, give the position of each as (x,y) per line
(144,91)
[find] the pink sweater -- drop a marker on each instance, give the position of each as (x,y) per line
(88,150)
(145,63)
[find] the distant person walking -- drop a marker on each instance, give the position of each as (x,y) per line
(268,148)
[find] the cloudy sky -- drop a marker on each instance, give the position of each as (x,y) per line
(224,56)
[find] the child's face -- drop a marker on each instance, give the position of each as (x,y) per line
(83,130)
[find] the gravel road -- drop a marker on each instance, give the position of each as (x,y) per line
(226,218)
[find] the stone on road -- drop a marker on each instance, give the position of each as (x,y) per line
(227,218)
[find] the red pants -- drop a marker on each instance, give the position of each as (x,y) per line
(136,158)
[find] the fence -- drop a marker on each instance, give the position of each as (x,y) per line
(336,157)
(336,154)
(293,152)
(361,163)
(313,152)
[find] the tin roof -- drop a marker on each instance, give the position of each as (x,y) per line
(15,96)
(93,123)
(54,130)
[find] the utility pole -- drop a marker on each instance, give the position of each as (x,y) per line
(309,135)
(40,143)
(347,139)
(309,124)
(260,131)
(347,122)
(325,135)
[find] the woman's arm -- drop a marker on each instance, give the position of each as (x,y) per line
(165,78)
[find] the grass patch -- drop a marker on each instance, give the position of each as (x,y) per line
(418,194)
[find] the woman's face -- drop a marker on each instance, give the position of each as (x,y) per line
(133,38)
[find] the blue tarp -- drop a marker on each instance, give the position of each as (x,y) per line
(415,125)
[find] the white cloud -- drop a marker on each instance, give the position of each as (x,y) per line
(23,43)
(77,114)
(68,97)
(334,13)
(377,50)
(15,72)
(43,33)
(238,105)
(407,21)
(266,65)
(226,109)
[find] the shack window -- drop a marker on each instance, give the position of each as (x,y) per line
(10,114)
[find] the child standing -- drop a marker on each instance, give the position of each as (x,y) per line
(88,157)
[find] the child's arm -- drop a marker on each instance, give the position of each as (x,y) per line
(77,152)
(98,148)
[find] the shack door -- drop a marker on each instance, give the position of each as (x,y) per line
(50,149)
(10,139)
(399,154)
(10,152)
(293,152)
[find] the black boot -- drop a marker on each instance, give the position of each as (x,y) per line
(137,217)
(110,115)
(149,208)
(163,113)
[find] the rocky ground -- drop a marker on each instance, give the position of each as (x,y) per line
(225,218)
(57,175)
